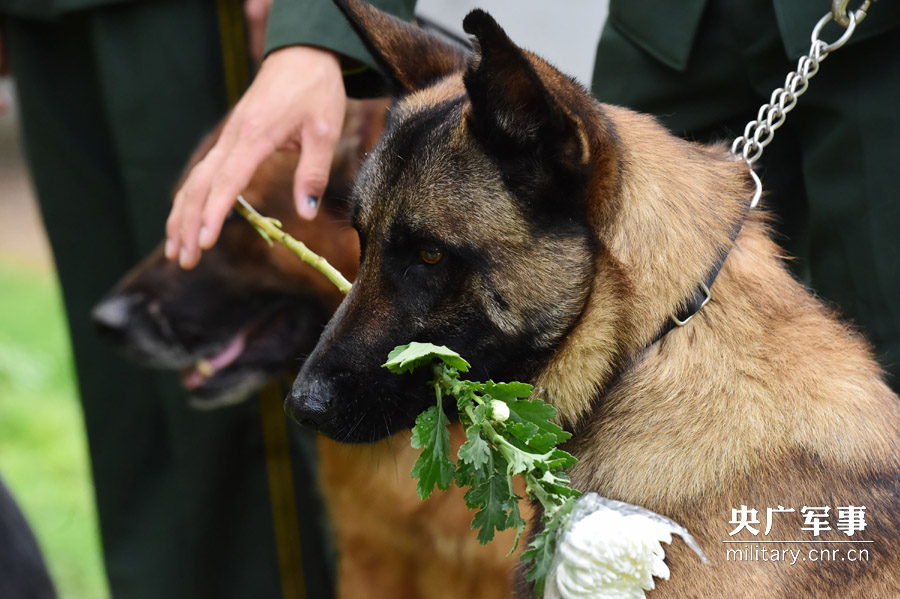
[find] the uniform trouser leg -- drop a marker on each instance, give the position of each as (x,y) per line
(737,60)
(113,101)
(83,203)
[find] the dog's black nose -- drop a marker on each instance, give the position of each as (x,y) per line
(111,317)
(308,404)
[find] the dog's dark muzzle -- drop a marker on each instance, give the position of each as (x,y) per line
(309,404)
(135,325)
(114,316)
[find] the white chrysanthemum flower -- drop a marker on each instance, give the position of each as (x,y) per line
(611,550)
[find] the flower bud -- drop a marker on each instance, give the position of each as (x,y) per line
(499,410)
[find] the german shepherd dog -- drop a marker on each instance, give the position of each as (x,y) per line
(248,313)
(551,239)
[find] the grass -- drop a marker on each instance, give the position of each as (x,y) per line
(43,451)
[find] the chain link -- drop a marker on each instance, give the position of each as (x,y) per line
(760,132)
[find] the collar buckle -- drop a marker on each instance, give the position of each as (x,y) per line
(694,307)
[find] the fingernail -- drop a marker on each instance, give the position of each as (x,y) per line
(183,257)
(309,207)
(205,238)
(171,250)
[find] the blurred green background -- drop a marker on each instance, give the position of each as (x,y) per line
(43,450)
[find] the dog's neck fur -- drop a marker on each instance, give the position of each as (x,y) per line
(663,216)
(630,402)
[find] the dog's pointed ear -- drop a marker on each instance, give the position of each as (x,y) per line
(409,56)
(511,104)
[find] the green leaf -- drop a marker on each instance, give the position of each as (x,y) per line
(465,394)
(494,499)
(540,552)
(508,392)
(536,417)
(561,460)
(557,483)
(528,433)
(406,358)
(516,521)
(481,415)
(433,466)
(523,461)
(543,546)
(543,443)
(475,450)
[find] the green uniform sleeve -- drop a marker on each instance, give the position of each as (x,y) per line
(665,30)
(320,23)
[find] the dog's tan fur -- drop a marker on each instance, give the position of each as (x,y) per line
(391,544)
(765,399)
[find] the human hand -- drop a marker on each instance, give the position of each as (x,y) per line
(257,14)
(296,102)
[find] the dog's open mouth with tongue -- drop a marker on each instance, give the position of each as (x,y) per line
(194,377)
(225,340)
(258,352)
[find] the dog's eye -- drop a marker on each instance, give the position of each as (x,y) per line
(431,256)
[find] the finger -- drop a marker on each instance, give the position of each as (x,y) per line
(316,153)
(189,225)
(194,191)
(188,203)
(235,173)
(173,228)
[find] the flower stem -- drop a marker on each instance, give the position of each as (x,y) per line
(534,485)
(271,230)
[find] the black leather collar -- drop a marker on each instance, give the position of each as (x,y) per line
(701,293)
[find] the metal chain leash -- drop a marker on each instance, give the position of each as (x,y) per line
(759,133)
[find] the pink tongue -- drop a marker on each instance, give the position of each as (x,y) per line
(192,378)
(229,354)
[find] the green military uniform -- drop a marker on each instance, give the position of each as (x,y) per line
(113,98)
(320,23)
(705,66)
